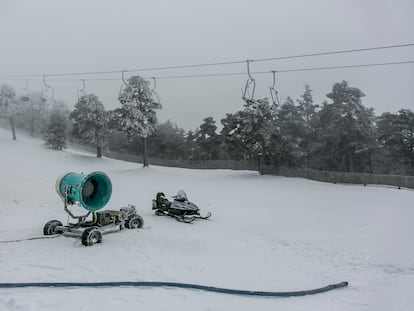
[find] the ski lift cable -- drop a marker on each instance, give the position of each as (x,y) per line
(241,73)
(285,70)
(220,63)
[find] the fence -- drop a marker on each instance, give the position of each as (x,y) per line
(323,176)
(341,177)
(201,164)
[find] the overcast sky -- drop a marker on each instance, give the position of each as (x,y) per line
(50,36)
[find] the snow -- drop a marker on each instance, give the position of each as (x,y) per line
(267,233)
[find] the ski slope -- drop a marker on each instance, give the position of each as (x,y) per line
(267,233)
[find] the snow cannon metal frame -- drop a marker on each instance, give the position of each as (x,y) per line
(91,192)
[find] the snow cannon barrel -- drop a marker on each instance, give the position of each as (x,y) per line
(92,191)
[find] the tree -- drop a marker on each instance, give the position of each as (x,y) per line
(208,140)
(346,130)
(8,105)
(234,138)
(168,141)
(287,145)
(258,126)
(306,107)
(191,147)
(32,113)
(57,128)
(88,119)
(137,116)
(396,141)
(308,112)
(249,130)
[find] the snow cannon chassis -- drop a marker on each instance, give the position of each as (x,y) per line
(92,192)
(91,232)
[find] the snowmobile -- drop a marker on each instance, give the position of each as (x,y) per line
(180,208)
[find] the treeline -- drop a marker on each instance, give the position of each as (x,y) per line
(339,134)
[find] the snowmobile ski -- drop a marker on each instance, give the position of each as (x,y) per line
(181,218)
(207,216)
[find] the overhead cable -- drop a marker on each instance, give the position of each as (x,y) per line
(215,63)
(241,73)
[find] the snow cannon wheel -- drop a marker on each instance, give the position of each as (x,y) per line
(134,222)
(91,236)
(50,227)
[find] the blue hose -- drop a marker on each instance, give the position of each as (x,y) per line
(179,285)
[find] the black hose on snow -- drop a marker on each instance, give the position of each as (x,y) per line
(179,285)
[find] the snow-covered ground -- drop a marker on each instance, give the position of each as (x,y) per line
(267,233)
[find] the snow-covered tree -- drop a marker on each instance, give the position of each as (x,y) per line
(191,146)
(287,145)
(306,107)
(258,125)
(88,122)
(396,142)
(137,115)
(235,142)
(168,141)
(56,131)
(249,130)
(346,130)
(309,117)
(208,140)
(32,113)
(8,105)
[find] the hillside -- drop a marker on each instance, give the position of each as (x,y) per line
(267,233)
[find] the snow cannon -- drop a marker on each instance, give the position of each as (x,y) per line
(91,192)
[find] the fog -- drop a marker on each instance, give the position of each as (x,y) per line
(49,37)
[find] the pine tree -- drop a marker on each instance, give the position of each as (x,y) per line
(235,142)
(208,140)
(8,106)
(32,113)
(137,116)
(88,119)
(291,134)
(396,142)
(250,129)
(346,130)
(57,128)
(309,118)
(168,141)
